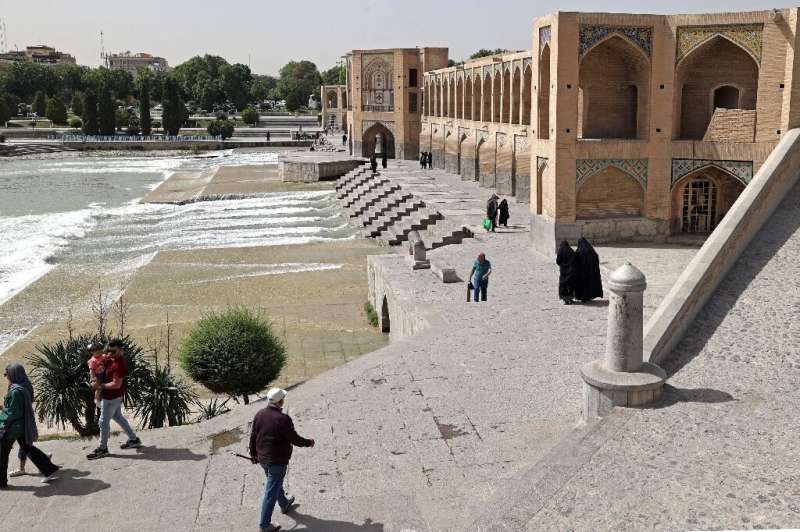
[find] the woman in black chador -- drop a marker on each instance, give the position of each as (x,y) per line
(567,261)
(503,208)
(589,285)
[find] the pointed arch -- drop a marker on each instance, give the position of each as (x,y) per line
(468,98)
(486,98)
(451,98)
(507,99)
(516,96)
(460,98)
(497,96)
(543,95)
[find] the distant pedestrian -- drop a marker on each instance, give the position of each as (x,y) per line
(18,424)
(271,442)
(268,136)
(430,159)
(113,391)
(373,163)
(491,211)
(589,285)
(383,160)
(567,262)
(479,277)
(344,139)
(503,209)
(423,158)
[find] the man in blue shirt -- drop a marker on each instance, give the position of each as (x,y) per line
(479,276)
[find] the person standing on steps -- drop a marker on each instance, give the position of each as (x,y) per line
(373,163)
(18,424)
(383,160)
(503,208)
(491,210)
(112,392)
(481,270)
(271,442)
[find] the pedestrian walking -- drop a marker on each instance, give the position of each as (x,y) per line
(567,262)
(268,136)
(589,284)
(503,210)
(422,160)
(271,442)
(491,211)
(112,392)
(383,160)
(479,277)
(430,159)
(373,163)
(18,424)
(344,139)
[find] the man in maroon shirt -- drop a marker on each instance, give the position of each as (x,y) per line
(271,443)
(112,392)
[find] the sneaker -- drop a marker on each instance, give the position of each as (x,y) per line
(97,453)
(49,478)
(17,473)
(271,528)
(289,505)
(131,444)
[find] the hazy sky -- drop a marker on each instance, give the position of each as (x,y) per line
(274,32)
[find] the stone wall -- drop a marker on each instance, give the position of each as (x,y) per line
(308,170)
(405,319)
(731,125)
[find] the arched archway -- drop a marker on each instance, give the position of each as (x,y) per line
(527,87)
(497,94)
(468,90)
(333,100)
(615,82)
(461,140)
(486,98)
(451,99)
(702,198)
(478,145)
(507,94)
(610,193)
(460,98)
(543,95)
(716,64)
(385,319)
(377,137)
(344,100)
(516,95)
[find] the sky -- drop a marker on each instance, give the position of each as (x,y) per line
(266,34)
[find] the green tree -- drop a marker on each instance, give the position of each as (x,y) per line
(56,110)
(106,111)
(174,110)
(261,86)
(7,107)
(235,352)
(298,80)
(235,81)
(334,76)
(199,79)
(222,127)
(483,52)
(39,105)
(90,123)
(23,80)
(77,103)
(250,115)
(145,80)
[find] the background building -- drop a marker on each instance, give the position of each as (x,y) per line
(334,106)
(385,99)
(135,63)
(42,54)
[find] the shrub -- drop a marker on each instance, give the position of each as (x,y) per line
(166,399)
(61,380)
(133,126)
(156,124)
(56,110)
(39,105)
(234,352)
(372,316)
(250,115)
(212,409)
(222,128)
(75,123)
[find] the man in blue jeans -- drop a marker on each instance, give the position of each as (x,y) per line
(271,442)
(479,277)
(112,392)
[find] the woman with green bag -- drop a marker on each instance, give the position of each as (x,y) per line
(18,424)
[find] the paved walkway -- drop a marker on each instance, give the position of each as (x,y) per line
(425,434)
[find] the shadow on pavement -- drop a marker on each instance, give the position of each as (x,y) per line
(672,395)
(71,483)
(313,523)
(157,454)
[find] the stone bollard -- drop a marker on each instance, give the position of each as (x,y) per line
(621,378)
(417,254)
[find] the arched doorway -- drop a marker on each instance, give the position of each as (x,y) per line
(507,98)
(468,99)
(461,139)
(497,94)
(385,322)
(516,94)
(486,98)
(611,193)
(543,95)
(701,199)
(478,146)
(527,87)
(332,100)
(378,139)
(726,97)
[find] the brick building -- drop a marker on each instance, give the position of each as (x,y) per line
(621,126)
(334,107)
(136,63)
(384,96)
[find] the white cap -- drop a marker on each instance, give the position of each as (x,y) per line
(275,395)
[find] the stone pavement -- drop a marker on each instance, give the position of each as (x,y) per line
(425,434)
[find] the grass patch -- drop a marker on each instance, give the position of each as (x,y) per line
(372,316)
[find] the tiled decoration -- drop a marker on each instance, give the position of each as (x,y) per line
(636,168)
(544,36)
(366,124)
(741,170)
(591,34)
(748,36)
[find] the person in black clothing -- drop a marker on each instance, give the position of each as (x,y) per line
(491,210)
(383,160)
(567,261)
(589,285)
(271,442)
(373,163)
(503,208)
(430,159)
(344,139)
(423,158)
(268,136)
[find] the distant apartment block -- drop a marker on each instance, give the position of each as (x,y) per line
(136,63)
(42,54)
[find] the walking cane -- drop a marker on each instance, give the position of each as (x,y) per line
(469,291)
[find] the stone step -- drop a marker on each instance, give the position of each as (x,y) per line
(349,177)
(384,206)
(372,198)
(418,220)
(404,209)
(357,182)
(361,185)
(362,191)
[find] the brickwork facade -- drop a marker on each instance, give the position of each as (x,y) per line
(334,107)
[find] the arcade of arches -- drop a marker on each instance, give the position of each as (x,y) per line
(633,126)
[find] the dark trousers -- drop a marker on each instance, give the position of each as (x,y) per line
(494,221)
(480,288)
(39,459)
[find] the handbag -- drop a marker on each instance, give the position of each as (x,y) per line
(487,223)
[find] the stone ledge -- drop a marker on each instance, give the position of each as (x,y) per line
(649,377)
(444,272)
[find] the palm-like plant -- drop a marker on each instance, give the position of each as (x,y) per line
(212,408)
(165,399)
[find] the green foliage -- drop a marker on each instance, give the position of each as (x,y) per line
(210,81)
(235,82)
(369,312)
(39,105)
(61,380)
(261,87)
(335,76)
(7,107)
(298,80)
(145,81)
(133,125)
(106,112)
(75,123)
(56,110)
(212,409)
(234,352)
(23,80)
(121,118)
(483,52)
(77,103)
(166,399)
(174,111)
(250,115)
(90,120)
(223,127)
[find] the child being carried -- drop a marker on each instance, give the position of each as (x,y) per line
(98,360)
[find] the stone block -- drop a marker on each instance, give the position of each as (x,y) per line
(444,272)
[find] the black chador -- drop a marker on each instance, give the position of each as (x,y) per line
(589,284)
(567,261)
